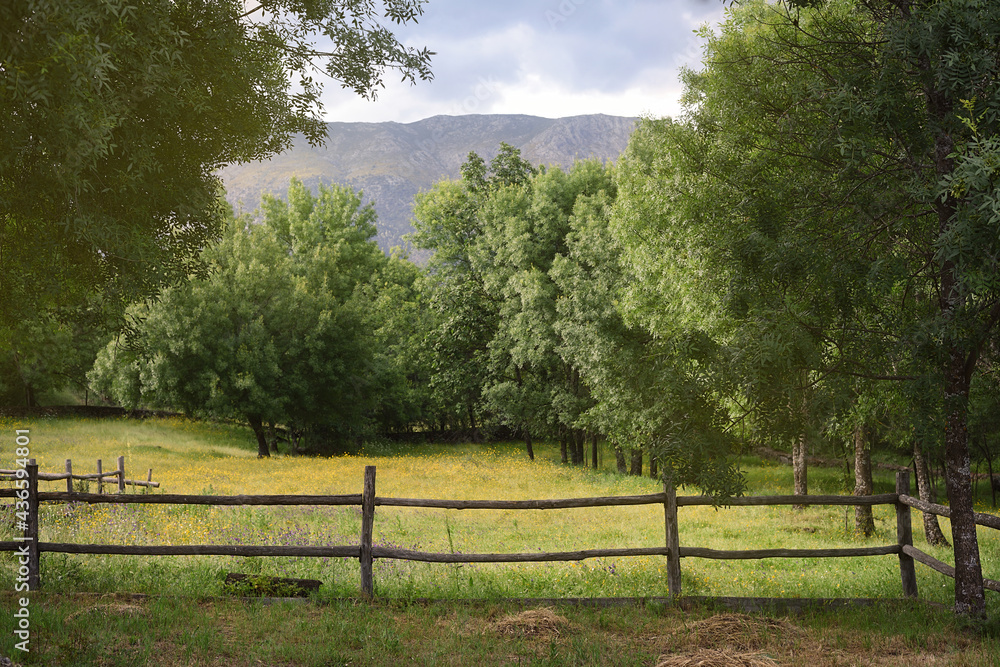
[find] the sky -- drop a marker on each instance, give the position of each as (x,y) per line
(549,58)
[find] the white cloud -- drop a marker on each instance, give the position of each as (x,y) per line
(563,57)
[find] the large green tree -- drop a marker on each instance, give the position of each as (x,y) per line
(116,116)
(531,386)
(449,220)
(279,331)
(828,208)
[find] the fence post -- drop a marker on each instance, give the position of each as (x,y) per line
(904,536)
(121,474)
(673,538)
(100,480)
(69,476)
(31,527)
(367,525)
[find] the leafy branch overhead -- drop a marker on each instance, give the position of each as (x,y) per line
(116,117)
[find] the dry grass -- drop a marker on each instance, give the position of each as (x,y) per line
(531,623)
(728,640)
(740,640)
(739,632)
(713,658)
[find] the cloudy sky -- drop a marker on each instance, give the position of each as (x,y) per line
(547,58)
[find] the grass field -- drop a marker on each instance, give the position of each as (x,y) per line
(194,457)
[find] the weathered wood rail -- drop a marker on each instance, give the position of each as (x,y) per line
(28,499)
(100,475)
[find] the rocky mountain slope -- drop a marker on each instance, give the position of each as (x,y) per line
(391,162)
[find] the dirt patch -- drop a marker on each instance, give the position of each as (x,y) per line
(531,623)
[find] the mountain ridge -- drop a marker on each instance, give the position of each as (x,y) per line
(391,162)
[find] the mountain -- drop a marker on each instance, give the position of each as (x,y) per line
(392,162)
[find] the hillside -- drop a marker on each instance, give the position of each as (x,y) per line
(391,162)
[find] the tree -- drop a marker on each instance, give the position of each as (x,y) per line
(931,85)
(531,386)
(55,351)
(116,118)
(593,338)
(277,332)
(449,220)
(839,161)
(399,319)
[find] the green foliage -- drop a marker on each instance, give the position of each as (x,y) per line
(281,330)
(824,217)
(531,385)
(51,351)
(526,281)
(116,118)
(450,219)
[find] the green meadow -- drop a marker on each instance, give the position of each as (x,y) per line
(196,457)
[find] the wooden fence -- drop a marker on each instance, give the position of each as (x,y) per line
(29,548)
(100,475)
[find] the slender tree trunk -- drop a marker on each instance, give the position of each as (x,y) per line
(864,521)
(653,467)
(563,447)
(970,595)
(799,467)
(527,443)
(620,459)
(932,530)
(576,444)
(993,481)
(294,438)
(800,472)
(988,457)
(258,430)
(473,430)
(636,462)
(593,451)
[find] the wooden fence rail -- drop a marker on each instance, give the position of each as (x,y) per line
(69,476)
(28,498)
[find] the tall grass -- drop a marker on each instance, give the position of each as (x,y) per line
(195,457)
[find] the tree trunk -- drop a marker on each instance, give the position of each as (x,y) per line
(636,462)
(970,595)
(272,437)
(799,467)
(932,530)
(620,459)
(563,449)
(653,467)
(960,364)
(576,447)
(800,472)
(864,521)
(593,451)
(473,430)
(527,443)
(294,438)
(258,430)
